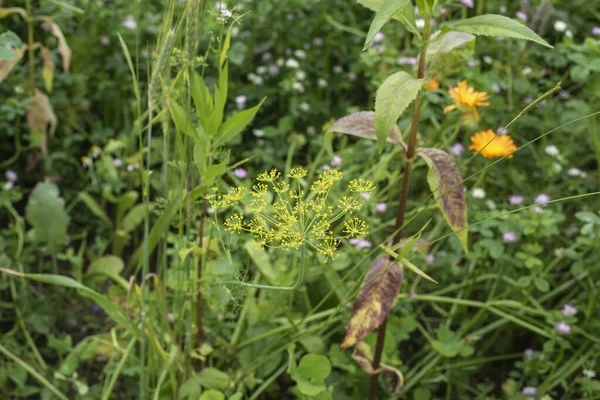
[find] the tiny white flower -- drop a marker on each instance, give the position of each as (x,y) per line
(301,54)
(338,69)
(478,193)
(304,107)
(130,23)
(589,373)
(496,88)
(490,204)
(488,59)
(298,86)
(560,26)
(300,75)
(311,130)
(365,195)
(569,34)
(526,71)
(8,185)
(322,82)
(258,132)
(574,172)
(240,101)
(291,63)
(420,23)
(552,150)
(280,62)
(261,70)
(557,167)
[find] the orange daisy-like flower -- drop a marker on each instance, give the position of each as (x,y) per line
(433,85)
(491,145)
(466,99)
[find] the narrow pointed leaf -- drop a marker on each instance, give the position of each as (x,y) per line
(393,96)
(94,207)
(401,10)
(375,301)
(405,262)
(497,25)
(362,124)
(236,124)
(445,182)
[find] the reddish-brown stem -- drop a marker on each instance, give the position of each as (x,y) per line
(410,155)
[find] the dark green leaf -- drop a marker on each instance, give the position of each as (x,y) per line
(236,124)
(401,10)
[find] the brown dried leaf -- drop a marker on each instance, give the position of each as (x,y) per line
(7,66)
(362,124)
(364,358)
(374,302)
(445,182)
(63,47)
(40,115)
(47,69)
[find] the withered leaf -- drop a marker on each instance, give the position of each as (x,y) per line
(362,124)
(40,116)
(446,185)
(6,66)
(47,69)
(364,358)
(374,302)
(63,47)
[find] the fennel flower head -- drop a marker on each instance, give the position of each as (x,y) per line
(286,212)
(467,99)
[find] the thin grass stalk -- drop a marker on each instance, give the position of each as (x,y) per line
(410,157)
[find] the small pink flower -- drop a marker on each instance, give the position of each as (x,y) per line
(521,15)
(381,207)
(240,173)
(430,259)
(378,37)
(528,354)
(563,328)
(529,391)
(365,195)
(568,310)
(596,31)
(457,149)
(117,163)
(407,61)
(516,199)
(467,3)
(336,161)
(509,237)
(11,175)
(541,198)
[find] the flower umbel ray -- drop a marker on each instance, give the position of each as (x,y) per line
(491,145)
(467,99)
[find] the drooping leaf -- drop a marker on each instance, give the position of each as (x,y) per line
(63,47)
(40,116)
(236,124)
(375,300)
(401,10)
(5,12)
(445,182)
(47,69)
(497,25)
(443,43)
(364,358)
(45,211)
(212,378)
(183,122)
(362,124)
(94,207)
(393,96)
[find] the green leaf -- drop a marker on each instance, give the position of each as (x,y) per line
(362,124)
(94,207)
(236,124)
(45,210)
(446,185)
(10,39)
(497,25)
(111,265)
(541,284)
(260,258)
(311,374)
(60,345)
(125,201)
(380,286)
(443,43)
(190,389)
(135,217)
(401,10)
(393,96)
(450,345)
(212,395)
(184,123)
(212,378)
(201,97)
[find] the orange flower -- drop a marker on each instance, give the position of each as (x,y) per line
(466,99)
(491,145)
(433,85)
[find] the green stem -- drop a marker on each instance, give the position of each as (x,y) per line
(30,47)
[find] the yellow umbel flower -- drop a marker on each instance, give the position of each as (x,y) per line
(361,186)
(269,176)
(235,223)
(490,145)
(297,173)
(467,99)
(328,248)
(284,217)
(355,227)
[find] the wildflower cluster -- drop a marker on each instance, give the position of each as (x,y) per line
(487,143)
(283,215)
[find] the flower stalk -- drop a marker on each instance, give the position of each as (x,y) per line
(410,158)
